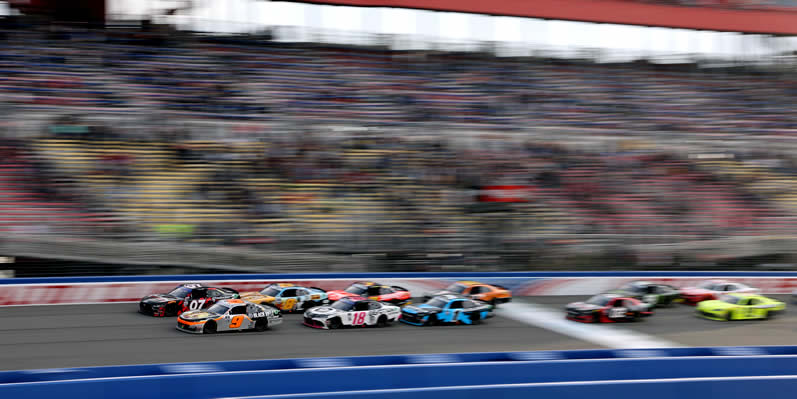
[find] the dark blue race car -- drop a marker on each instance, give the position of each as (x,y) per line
(446,309)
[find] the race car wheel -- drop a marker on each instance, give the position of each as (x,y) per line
(382,322)
(334,324)
(729,315)
(596,318)
(431,321)
(210,328)
(261,325)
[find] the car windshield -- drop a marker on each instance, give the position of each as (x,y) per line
(706,285)
(437,302)
(456,288)
(218,309)
(730,299)
(270,291)
(633,287)
(180,292)
(356,289)
(343,305)
(599,300)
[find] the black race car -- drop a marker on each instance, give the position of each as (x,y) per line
(183,298)
(652,294)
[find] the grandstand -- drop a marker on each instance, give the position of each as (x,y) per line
(161,136)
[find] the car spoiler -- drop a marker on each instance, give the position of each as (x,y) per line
(399,288)
(316,288)
(500,286)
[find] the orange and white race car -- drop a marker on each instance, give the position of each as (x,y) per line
(229,315)
(492,294)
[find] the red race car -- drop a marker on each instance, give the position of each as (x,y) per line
(608,308)
(712,289)
(375,291)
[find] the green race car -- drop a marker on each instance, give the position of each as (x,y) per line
(739,307)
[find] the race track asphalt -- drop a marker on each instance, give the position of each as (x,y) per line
(33,337)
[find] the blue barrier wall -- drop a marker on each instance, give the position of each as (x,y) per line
(546,373)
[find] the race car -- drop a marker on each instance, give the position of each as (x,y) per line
(608,308)
(183,298)
(352,311)
(229,315)
(378,292)
(288,297)
(448,308)
(651,293)
(740,306)
(493,294)
(711,289)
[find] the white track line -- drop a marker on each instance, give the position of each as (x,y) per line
(609,336)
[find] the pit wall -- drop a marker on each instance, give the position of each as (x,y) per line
(91,290)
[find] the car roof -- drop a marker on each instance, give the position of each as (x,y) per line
(285,285)
(451,297)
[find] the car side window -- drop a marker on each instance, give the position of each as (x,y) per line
(361,306)
(214,293)
(618,303)
(754,301)
(374,305)
(744,302)
(290,292)
(301,292)
(455,305)
(373,290)
(238,310)
(478,290)
(469,304)
(385,291)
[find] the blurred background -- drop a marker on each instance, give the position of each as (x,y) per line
(149,136)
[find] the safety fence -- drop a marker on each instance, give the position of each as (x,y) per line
(735,371)
(110,289)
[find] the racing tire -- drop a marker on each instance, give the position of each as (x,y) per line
(261,325)
(596,318)
(210,328)
(382,321)
(494,302)
(335,324)
(432,321)
(729,315)
(476,320)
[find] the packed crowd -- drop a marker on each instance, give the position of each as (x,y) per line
(126,74)
(387,185)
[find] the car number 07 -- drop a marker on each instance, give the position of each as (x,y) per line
(197,304)
(359,318)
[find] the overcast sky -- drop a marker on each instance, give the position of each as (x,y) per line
(244,15)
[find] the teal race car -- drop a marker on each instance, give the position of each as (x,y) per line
(740,307)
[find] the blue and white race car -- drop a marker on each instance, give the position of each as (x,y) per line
(448,308)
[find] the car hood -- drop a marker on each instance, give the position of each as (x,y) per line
(321,311)
(339,294)
(196,315)
(715,304)
(256,296)
(421,309)
(159,298)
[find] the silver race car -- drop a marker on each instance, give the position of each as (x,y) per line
(229,315)
(352,311)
